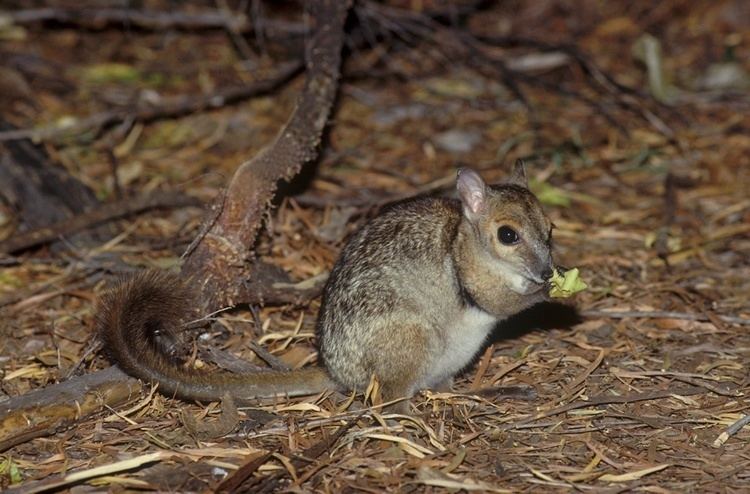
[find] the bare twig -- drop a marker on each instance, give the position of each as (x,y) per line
(234,482)
(102,214)
(169,108)
(610,398)
(598,79)
(731,430)
(272,360)
(657,314)
(100,18)
(672,183)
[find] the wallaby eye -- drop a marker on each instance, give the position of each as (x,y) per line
(507,235)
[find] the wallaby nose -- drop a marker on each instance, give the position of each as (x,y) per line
(547,274)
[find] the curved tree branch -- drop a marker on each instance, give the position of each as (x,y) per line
(220,258)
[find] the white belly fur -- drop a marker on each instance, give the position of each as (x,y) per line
(462,340)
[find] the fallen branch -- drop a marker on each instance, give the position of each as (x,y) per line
(608,399)
(100,18)
(57,407)
(663,314)
(220,257)
(102,214)
(169,107)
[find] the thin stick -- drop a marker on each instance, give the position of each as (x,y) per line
(102,214)
(484,364)
(731,430)
(100,18)
(657,314)
(609,399)
(171,108)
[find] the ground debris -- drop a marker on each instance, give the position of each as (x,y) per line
(644,388)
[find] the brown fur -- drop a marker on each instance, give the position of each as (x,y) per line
(138,323)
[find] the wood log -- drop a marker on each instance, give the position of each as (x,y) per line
(57,407)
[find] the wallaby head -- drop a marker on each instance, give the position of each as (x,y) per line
(506,236)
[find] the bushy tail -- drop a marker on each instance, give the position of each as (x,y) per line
(138,322)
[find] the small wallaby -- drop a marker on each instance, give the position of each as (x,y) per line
(411,299)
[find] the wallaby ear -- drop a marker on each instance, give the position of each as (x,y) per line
(518,175)
(472,190)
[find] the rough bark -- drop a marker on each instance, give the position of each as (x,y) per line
(222,257)
(55,408)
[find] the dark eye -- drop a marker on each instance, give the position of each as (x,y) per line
(507,235)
